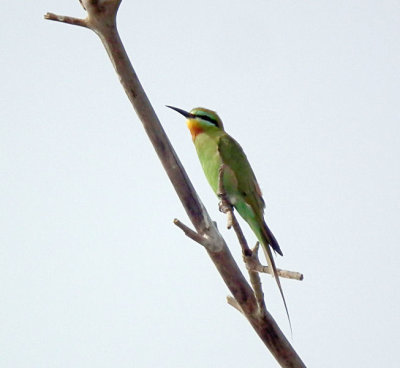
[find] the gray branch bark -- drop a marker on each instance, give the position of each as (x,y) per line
(101,18)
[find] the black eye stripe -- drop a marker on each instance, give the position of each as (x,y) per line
(208,118)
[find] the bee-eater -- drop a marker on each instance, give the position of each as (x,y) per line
(216,148)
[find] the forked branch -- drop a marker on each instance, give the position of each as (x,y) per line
(101,18)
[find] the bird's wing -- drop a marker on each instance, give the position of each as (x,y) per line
(233,156)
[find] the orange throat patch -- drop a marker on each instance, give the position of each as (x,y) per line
(194,128)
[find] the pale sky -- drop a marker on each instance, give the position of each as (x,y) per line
(92,271)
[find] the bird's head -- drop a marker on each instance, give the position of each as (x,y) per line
(200,120)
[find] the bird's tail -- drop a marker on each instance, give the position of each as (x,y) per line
(271,239)
(267,239)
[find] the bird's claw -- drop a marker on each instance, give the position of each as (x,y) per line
(223,206)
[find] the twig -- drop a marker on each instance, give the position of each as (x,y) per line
(293,275)
(254,264)
(189,232)
(198,238)
(256,280)
(68,20)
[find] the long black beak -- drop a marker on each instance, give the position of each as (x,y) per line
(183,112)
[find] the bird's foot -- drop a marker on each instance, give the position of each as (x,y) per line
(223,205)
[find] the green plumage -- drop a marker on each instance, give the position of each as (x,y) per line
(215,148)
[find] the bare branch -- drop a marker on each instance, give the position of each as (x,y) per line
(190,233)
(293,275)
(255,279)
(102,19)
(65,19)
(253,263)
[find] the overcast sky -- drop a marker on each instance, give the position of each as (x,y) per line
(92,271)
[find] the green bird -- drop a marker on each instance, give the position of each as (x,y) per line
(216,148)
